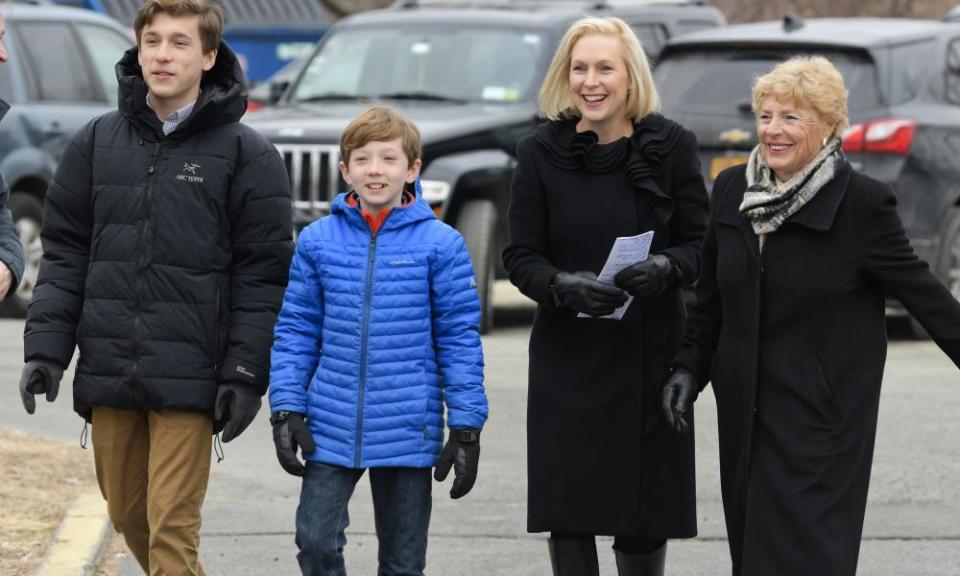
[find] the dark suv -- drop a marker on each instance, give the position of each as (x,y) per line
(59,76)
(903,78)
(468,74)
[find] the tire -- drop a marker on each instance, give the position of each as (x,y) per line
(947,266)
(28,216)
(477,223)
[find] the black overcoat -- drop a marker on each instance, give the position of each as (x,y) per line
(797,341)
(599,459)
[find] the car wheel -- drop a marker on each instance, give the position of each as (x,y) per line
(948,265)
(477,223)
(28,215)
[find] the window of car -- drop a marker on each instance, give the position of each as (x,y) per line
(471,64)
(56,63)
(719,81)
(910,69)
(105,47)
(652,37)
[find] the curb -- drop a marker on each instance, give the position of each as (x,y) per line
(79,539)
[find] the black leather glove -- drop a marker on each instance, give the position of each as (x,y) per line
(463,453)
(235,408)
(289,432)
(648,278)
(39,377)
(582,292)
(679,392)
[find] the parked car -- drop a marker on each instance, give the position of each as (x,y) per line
(265,34)
(54,86)
(903,77)
(468,74)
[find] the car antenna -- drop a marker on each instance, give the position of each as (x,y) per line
(792,22)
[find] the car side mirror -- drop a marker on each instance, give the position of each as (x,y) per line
(277,89)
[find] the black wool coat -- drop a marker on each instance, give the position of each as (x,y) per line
(797,341)
(165,257)
(600,460)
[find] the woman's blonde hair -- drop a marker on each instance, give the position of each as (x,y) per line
(807,80)
(642,98)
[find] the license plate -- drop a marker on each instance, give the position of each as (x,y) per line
(721,163)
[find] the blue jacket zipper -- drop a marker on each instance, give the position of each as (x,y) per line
(371,259)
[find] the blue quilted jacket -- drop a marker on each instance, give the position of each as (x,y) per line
(376,334)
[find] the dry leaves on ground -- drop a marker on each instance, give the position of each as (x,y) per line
(39,478)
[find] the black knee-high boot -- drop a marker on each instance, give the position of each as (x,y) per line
(576,556)
(649,564)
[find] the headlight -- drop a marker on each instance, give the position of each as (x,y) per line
(435,191)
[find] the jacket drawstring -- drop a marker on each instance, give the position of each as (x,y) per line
(84,435)
(218,448)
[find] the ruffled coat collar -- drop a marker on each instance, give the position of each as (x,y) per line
(643,152)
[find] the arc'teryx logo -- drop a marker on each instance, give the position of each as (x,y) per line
(189,173)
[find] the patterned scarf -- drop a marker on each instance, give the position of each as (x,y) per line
(768,205)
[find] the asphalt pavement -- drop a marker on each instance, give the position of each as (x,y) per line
(912,525)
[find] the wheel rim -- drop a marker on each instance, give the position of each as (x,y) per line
(29,231)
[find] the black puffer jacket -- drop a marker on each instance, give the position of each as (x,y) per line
(165,258)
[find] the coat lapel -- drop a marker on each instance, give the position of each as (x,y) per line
(819,212)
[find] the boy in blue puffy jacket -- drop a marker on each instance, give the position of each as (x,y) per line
(378,331)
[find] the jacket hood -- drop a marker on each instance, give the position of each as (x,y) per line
(223,94)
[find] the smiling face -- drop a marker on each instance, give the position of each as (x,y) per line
(378,171)
(173,62)
(790,135)
(599,84)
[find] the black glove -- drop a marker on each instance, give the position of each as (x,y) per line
(39,377)
(679,392)
(236,406)
(648,278)
(463,453)
(290,431)
(582,292)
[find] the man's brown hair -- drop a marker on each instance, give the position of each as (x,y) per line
(211,18)
(380,124)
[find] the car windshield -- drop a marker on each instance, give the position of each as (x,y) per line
(453,65)
(718,81)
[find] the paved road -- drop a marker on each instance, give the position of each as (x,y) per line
(911,526)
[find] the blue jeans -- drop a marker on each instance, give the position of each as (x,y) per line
(401,506)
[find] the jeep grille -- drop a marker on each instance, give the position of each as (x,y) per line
(314,178)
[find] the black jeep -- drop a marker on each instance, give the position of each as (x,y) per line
(468,74)
(903,77)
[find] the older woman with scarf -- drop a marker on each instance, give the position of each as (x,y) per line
(789,327)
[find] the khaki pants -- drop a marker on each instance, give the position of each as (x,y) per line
(152,468)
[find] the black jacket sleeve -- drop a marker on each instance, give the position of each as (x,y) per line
(261,229)
(526,257)
(690,206)
(890,260)
(11,252)
(50,331)
(706,317)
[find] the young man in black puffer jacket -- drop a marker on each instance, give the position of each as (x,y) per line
(167,237)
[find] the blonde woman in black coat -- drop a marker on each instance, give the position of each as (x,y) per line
(600,458)
(799,254)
